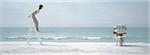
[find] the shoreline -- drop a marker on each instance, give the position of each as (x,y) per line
(73,43)
(73,48)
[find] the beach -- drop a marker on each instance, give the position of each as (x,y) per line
(73,48)
(74,27)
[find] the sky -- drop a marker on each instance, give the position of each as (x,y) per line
(75,13)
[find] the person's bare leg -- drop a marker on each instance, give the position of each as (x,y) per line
(36,23)
(117,41)
(121,40)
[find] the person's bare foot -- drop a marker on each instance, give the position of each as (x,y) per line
(121,45)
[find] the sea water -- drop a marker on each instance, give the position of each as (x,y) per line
(72,34)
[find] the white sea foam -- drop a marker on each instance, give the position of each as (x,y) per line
(54,37)
(91,38)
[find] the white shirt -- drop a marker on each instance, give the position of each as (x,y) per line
(120,28)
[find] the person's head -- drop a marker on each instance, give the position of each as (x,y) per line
(40,7)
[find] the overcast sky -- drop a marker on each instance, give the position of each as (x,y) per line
(75,13)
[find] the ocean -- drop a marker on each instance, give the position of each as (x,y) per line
(72,34)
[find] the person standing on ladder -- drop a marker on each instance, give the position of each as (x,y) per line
(35,22)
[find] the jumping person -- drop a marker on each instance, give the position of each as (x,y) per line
(35,21)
